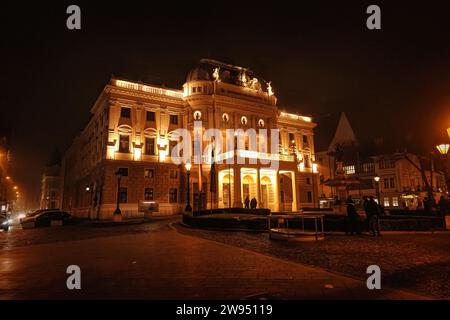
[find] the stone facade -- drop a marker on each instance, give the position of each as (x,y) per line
(133,129)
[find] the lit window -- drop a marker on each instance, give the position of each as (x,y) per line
(349,169)
(395,201)
(386,202)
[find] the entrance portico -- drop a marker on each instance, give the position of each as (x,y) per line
(260,183)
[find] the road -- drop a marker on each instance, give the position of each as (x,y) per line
(154,261)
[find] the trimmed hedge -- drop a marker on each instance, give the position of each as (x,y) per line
(261,212)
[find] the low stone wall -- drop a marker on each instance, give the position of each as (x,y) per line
(128,211)
(332,223)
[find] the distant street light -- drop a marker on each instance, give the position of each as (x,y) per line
(377,182)
(188,167)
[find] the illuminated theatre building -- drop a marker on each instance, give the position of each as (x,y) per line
(132,132)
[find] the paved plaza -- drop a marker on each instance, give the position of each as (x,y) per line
(164,264)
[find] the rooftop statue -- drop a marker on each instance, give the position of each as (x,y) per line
(216,74)
(269,88)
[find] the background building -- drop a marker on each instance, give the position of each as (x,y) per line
(348,168)
(51,183)
(132,132)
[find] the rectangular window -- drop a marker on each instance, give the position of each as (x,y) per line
(386,202)
(309,196)
(291,138)
(124,143)
(392,183)
(307,162)
(125,112)
(308,181)
(173,195)
(194,89)
(173,119)
(349,169)
(123,172)
(173,174)
(386,183)
(149,146)
(148,194)
(123,195)
(395,201)
(305,139)
(149,173)
(150,116)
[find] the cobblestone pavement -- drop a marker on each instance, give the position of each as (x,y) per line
(417,262)
(18,237)
(164,264)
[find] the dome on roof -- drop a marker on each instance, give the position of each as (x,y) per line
(201,72)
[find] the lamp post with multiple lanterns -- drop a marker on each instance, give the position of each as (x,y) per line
(188,167)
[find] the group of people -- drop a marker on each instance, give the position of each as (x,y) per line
(373,212)
(250,203)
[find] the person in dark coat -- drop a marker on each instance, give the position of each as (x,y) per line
(247,202)
(352,217)
(443,206)
(253,203)
(373,214)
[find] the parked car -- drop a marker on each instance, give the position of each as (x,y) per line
(5,221)
(45,218)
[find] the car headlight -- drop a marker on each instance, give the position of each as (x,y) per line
(5,222)
(21,216)
(10,221)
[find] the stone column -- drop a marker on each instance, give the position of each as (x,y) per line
(237,187)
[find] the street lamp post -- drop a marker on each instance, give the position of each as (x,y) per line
(377,181)
(188,208)
(117,213)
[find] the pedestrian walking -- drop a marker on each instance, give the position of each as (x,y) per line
(373,213)
(253,203)
(247,202)
(352,217)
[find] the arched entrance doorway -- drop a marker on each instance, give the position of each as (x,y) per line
(226,188)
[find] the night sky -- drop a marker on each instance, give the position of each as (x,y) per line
(392,83)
